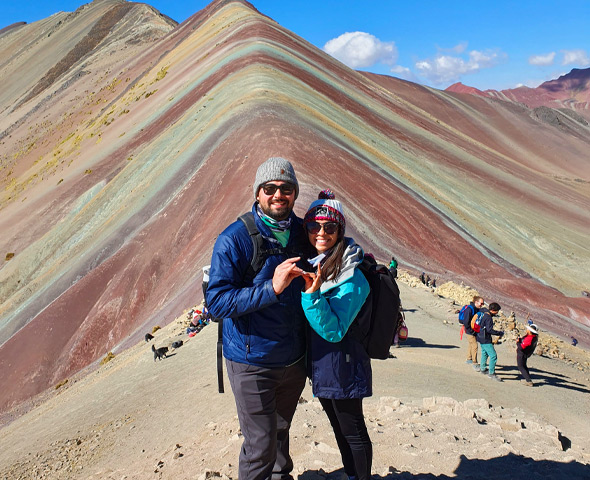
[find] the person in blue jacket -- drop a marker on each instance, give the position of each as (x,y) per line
(484,337)
(264,339)
(340,367)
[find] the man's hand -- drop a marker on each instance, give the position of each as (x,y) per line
(285,273)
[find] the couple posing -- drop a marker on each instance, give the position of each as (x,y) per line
(291,321)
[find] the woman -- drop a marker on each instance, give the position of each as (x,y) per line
(340,367)
(524,349)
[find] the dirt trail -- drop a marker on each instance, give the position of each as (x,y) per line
(432,416)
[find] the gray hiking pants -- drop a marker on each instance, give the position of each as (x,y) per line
(266,399)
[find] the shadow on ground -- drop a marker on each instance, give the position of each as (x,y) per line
(508,467)
(541,378)
(418,342)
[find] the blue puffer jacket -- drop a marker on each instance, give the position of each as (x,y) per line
(340,366)
(259,327)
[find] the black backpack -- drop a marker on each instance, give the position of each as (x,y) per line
(259,256)
(380,315)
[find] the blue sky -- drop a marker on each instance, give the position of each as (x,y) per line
(494,44)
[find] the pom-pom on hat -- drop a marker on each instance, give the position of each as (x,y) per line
(326,208)
(275,168)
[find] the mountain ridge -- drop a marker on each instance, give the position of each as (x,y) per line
(569,91)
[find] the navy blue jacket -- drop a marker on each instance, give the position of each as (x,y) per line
(339,365)
(487,328)
(259,327)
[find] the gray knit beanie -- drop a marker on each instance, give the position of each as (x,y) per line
(275,168)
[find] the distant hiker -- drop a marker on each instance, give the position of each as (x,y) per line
(393,267)
(263,322)
(433,283)
(484,337)
(428,280)
(574,341)
(423,278)
(468,312)
(524,349)
(341,373)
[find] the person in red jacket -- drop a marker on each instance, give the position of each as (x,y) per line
(524,349)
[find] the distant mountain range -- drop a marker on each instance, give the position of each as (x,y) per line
(570,91)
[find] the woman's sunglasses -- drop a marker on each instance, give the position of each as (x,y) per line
(271,188)
(314,228)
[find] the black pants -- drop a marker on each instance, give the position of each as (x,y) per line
(266,399)
(348,423)
(521,360)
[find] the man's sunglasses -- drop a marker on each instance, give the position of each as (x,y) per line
(271,188)
(314,228)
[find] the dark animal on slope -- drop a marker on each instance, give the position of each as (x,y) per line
(159,353)
(177,344)
(148,337)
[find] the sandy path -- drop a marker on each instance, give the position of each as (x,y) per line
(137,419)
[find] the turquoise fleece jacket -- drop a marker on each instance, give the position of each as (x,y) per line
(331,310)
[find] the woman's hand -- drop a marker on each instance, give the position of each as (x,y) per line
(313,281)
(308,278)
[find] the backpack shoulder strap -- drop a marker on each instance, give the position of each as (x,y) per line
(260,252)
(220,388)
(258,256)
(255,264)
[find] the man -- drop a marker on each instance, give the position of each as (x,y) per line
(471,310)
(264,324)
(484,337)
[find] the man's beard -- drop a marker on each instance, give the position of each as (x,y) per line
(277,213)
(280,213)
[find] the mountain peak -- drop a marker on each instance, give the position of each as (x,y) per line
(461,88)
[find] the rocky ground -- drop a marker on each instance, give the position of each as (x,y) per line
(432,416)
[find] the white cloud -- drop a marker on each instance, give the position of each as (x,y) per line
(361,50)
(404,73)
(578,57)
(542,60)
(457,49)
(447,68)
(478,60)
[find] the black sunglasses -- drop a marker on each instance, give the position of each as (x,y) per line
(271,188)
(314,228)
